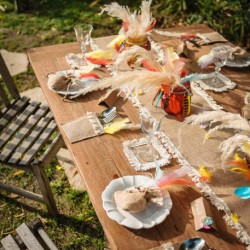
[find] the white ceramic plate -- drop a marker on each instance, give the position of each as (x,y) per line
(149,217)
(239,62)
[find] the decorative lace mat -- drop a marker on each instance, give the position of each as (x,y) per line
(133,148)
(224,83)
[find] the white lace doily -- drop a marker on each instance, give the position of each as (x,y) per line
(133,147)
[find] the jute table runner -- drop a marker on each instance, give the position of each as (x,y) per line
(190,141)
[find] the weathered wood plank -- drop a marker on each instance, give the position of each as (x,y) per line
(28,142)
(46,239)
(22,133)
(9,243)
(22,192)
(12,112)
(39,143)
(28,237)
(4,72)
(17,123)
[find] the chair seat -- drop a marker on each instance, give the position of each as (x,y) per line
(25,128)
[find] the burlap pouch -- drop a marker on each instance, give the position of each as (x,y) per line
(83,128)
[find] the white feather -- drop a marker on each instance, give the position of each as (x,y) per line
(118,11)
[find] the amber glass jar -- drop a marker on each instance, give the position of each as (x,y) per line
(140,41)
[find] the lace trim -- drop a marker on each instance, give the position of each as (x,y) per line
(132,147)
(212,103)
(170,34)
(166,246)
(220,204)
(228,84)
(96,124)
(247,98)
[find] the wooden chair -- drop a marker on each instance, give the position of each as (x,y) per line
(31,237)
(26,127)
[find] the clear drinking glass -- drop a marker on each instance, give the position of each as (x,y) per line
(149,127)
(83,36)
(221,55)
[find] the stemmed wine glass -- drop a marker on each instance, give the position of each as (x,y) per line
(83,36)
(220,57)
(149,127)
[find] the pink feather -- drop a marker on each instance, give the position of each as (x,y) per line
(205,60)
(146,64)
(166,183)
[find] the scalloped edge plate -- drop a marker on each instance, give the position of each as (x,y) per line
(77,87)
(152,215)
(238,63)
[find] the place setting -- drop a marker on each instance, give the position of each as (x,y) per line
(147,152)
(216,81)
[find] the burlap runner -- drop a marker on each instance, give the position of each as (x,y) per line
(189,140)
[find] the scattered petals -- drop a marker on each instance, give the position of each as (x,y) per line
(19,172)
(206,175)
(235,218)
(58,167)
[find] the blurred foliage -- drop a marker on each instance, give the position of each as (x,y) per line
(50,21)
(231,18)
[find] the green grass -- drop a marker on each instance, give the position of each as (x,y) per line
(51,22)
(76,227)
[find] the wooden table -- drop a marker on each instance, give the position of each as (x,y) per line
(101,159)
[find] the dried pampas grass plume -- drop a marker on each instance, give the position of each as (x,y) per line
(139,79)
(135,54)
(135,24)
(218,120)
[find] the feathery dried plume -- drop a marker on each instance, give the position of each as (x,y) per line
(137,54)
(118,11)
(232,144)
(139,79)
(225,120)
(135,24)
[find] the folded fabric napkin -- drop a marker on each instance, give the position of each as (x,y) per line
(238,52)
(56,81)
(83,128)
(212,37)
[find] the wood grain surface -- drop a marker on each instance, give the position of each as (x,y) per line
(101,159)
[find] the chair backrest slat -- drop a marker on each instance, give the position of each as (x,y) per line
(29,142)
(17,123)
(9,243)
(28,237)
(23,133)
(11,113)
(9,83)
